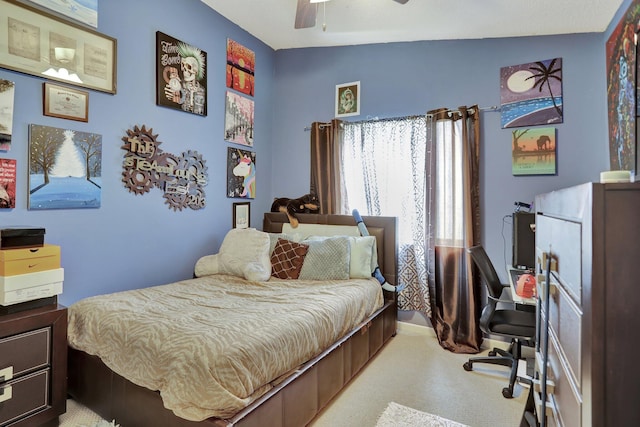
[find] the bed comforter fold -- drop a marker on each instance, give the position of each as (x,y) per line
(214,344)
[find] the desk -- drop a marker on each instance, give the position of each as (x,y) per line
(514,272)
(526,366)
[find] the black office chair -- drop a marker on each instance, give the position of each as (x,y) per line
(518,325)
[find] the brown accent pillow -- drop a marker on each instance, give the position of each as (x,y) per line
(287,259)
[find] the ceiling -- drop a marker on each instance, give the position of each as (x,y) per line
(351,22)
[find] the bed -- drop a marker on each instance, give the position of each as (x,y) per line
(303,384)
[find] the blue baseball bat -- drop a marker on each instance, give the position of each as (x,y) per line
(376,273)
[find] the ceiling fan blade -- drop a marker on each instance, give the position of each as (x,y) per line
(305,14)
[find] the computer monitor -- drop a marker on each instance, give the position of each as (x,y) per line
(524,241)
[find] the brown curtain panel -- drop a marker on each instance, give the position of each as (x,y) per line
(325,165)
(453,146)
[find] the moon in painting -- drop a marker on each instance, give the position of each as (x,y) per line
(517,82)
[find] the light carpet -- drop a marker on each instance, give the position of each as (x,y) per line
(396,415)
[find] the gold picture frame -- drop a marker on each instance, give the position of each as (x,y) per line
(65,102)
(242,215)
(43,45)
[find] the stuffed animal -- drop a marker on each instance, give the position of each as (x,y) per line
(305,204)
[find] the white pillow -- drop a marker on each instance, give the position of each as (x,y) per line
(273,239)
(363,256)
(244,253)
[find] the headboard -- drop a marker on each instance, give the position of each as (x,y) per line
(383,228)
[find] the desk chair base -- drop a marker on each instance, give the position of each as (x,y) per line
(498,356)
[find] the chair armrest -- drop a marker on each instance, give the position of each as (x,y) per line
(506,301)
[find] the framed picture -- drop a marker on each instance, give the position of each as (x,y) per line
(44,45)
(86,12)
(181,75)
(65,103)
(242,215)
(348,99)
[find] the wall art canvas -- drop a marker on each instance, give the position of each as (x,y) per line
(531,94)
(85,11)
(181,75)
(7,90)
(7,183)
(533,151)
(241,63)
(622,103)
(241,173)
(65,168)
(238,119)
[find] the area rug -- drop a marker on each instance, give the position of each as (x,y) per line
(80,416)
(396,415)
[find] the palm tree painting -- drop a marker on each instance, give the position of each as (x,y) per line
(531,94)
(65,168)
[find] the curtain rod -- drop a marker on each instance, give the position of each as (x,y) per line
(494,108)
(322,126)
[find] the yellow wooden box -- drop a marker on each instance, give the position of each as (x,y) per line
(29,260)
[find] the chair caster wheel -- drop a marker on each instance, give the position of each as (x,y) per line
(467,366)
(507,393)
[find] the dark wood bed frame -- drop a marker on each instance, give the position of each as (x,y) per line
(292,403)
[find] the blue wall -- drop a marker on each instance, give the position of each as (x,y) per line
(411,78)
(135,241)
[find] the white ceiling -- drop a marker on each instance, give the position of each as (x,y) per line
(351,22)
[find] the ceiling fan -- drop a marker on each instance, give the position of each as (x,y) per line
(307,10)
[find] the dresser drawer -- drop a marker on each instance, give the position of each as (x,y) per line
(563,239)
(24,396)
(565,322)
(566,401)
(25,352)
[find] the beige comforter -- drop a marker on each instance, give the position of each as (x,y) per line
(212,345)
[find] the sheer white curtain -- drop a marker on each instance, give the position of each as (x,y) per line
(383,167)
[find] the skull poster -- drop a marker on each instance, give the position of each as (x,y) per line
(181,79)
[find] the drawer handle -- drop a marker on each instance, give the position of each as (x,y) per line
(6,393)
(6,374)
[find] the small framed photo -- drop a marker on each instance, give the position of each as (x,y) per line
(242,215)
(65,103)
(348,99)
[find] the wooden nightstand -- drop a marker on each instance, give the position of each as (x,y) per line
(33,366)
